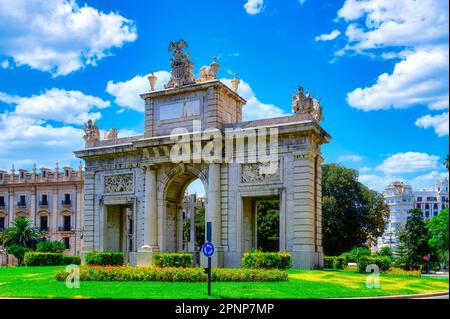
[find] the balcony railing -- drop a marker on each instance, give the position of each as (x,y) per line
(66,202)
(21,204)
(43,228)
(64,228)
(43,203)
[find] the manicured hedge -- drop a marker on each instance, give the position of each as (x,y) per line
(49,259)
(384,263)
(240,274)
(334,262)
(105,258)
(172,260)
(188,274)
(260,260)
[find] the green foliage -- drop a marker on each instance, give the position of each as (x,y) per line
(328,262)
(173,274)
(334,262)
(445,163)
(352,213)
(385,251)
(42,259)
(414,240)
(22,233)
(384,263)
(50,246)
(239,274)
(17,251)
(355,253)
(268,224)
(261,260)
(105,258)
(172,260)
(49,259)
(438,233)
(71,260)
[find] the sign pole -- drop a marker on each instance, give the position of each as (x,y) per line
(208,251)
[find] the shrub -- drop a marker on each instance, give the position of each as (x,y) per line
(384,263)
(353,255)
(71,260)
(339,262)
(50,246)
(17,251)
(385,251)
(105,258)
(187,274)
(239,274)
(33,258)
(395,271)
(260,260)
(172,260)
(328,262)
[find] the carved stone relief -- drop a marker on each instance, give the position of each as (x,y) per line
(260,172)
(119,183)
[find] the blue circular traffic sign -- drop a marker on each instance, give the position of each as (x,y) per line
(208,249)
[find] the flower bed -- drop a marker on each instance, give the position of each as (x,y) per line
(126,273)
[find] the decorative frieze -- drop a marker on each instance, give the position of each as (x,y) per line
(260,173)
(119,183)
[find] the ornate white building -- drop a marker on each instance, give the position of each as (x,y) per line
(400,197)
(134,186)
(52,199)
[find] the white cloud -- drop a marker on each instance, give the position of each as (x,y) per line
(408,162)
(254,109)
(364,169)
(416,32)
(127,93)
(58,36)
(376,182)
(254,6)
(350,158)
(440,123)
(71,107)
(37,129)
(328,36)
(427,181)
(394,23)
(302,2)
(422,78)
(5,64)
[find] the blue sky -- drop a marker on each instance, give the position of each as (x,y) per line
(379,67)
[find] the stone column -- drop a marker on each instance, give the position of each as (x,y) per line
(213,212)
(191,245)
(145,253)
(11,208)
(55,214)
(33,207)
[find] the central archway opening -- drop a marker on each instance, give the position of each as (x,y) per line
(185,206)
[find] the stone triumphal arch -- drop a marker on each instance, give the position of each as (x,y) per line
(194,130)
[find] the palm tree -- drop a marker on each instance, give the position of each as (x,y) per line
(22,233)
(446,161)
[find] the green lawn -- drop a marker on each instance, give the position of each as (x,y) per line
(40,282)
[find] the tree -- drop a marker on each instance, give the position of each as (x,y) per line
(268,221)
(438,233)
(414,240)
(352,214)
(22,233)
(446,162)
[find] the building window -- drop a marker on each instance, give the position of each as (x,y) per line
(427,214)
(66,200)
(435,213)
(44,174)
(22,175)
(419,199)
(66,242)
(427,206)
(1,175)
(435,206)
(66,172)
(417,205)
(44,223)
(2,224)
(66,221)
(2,201)
(443,199)
(44,200)
(22,201)
(443,206)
